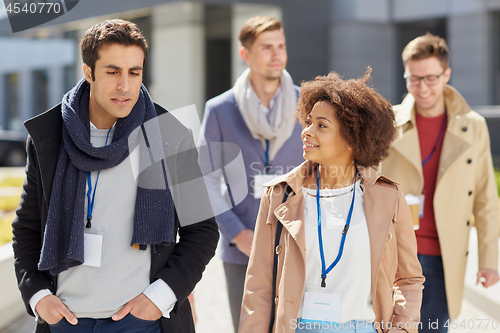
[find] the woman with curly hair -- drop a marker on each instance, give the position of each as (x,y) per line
(334,247)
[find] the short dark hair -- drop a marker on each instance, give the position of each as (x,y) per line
(110,32)
(253,27)
(427,46)
(366,119)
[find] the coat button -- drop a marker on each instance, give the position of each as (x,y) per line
(389,236)
(469,161)
(278,249)
(468,223)
(470,193)
(276,300)
(464,128)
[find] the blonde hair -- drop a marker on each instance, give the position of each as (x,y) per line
(253,27)
(427,46)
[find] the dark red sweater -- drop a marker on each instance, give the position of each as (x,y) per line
(428,133)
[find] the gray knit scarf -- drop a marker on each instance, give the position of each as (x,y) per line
(278,127)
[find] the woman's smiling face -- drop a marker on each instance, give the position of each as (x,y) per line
(322,141)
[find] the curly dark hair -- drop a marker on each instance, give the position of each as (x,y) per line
(366,119)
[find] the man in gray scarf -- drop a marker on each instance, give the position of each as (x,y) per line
(257,115)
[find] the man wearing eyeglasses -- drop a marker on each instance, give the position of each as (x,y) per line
(442,154)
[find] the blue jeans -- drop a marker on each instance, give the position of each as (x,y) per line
(352,326)
(129,324)
(434,311)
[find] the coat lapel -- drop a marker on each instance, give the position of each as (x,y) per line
(453,145)
(408,144)
(255,143)
(453,148)
(46,131)
(291,215)
(291,212)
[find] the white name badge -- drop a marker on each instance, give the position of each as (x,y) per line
(92,250)
(321,307)
(259,181)
(421,206)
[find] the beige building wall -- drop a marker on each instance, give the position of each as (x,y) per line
(177,59)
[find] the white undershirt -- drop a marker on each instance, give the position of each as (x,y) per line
(352,275)
(272,102)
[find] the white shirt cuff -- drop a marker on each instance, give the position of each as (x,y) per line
(36,298)
(162,296)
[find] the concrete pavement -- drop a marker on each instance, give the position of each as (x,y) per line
(211,303)
(486,299)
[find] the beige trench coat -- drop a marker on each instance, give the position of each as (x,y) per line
(394,264)
(465,185)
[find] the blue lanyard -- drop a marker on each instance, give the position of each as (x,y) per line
(438,140)
(267,153)
(325,271)
(90,202)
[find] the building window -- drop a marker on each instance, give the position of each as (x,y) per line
(217,50)
(69,78)
(145,25)
(13,119)
(495,64)
(406,33)
(40,90)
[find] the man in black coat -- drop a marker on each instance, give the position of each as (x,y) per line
(114,226)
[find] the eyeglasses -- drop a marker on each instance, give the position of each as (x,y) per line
(430,80)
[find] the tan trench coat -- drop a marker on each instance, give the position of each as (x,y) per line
(465,186)
(394,264)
